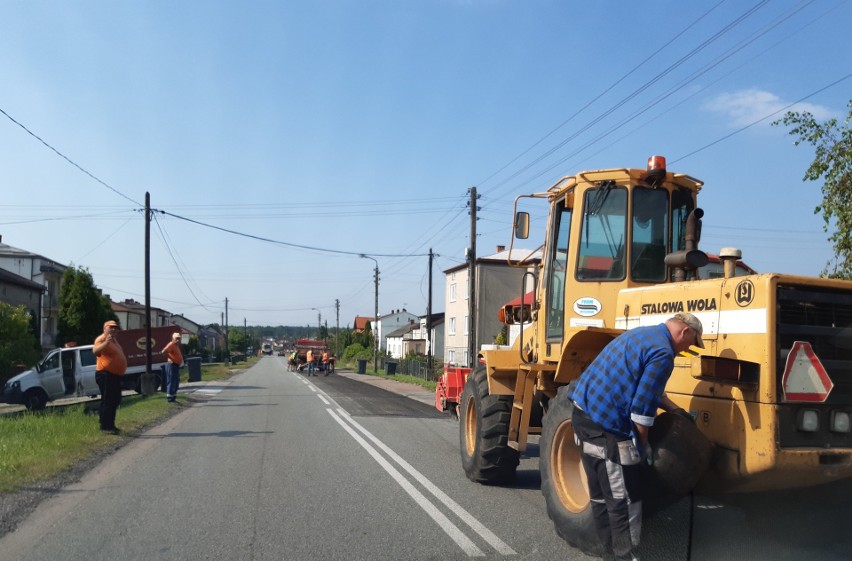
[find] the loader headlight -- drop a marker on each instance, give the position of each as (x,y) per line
(808,420)
(839,421)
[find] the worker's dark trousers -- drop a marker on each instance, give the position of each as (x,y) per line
(110,386)
(613,471)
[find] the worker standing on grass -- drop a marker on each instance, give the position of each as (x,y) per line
(109,369)
(615,401)
(175,359)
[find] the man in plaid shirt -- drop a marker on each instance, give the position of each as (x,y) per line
(615,402)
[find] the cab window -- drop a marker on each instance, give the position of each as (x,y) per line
(650,228)
(557,269)
(603,234)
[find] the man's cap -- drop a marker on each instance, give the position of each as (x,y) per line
(110,322)
(175,335)
(695,324)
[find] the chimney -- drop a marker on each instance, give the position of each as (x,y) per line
(501,248)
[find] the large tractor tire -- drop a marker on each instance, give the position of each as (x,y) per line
(563,479)
(484,432)
(681,455)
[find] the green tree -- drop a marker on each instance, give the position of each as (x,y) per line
(833,165)
(17,344)
(237,340)
(82,308)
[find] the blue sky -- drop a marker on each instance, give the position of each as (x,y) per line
(359,126)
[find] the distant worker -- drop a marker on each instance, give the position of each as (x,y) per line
(109,369)
(325,362)
(293,363)
(310,357)
(615,401)
(175,360)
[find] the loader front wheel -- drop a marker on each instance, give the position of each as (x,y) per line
(484,432)
(563,479)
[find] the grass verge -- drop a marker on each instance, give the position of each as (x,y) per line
(37,446)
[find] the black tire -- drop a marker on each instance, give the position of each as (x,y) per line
(682,455)
(35,399)
(563,479)
(484,433)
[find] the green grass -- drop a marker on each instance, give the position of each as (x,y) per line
(37,446)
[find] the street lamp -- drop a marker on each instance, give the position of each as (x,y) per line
(375,331)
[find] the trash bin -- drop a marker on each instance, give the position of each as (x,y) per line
(390,367)
(193,366)
(362,366)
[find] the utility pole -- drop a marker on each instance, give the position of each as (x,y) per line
(227,343)
(148,377)
(245,336)
(471,300)
(376,321)
(337,328)
(429,362)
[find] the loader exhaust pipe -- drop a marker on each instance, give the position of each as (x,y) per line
(691,257)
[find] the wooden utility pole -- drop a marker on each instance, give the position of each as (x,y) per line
(147,380)
(429,363)
(337,326)
(472,346)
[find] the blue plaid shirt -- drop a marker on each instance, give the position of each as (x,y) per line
(625,382)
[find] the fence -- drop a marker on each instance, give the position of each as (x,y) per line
(416,368)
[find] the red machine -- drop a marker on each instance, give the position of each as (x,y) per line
(449,389)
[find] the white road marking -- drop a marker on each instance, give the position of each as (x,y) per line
(448,527)
(210,390)
(499,545)
(442,497)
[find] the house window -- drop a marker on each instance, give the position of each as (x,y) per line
(453,292)
(452,326)
(451,357)
(466,356)
(466,325)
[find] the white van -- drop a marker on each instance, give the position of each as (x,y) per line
(61,373)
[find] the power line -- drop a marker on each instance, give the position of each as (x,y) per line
(741,129)
(636,92)
(288,244)
(600,95)
(69,160)
(177,266)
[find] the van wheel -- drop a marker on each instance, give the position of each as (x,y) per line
(484,432)
(35,399)
(563,478)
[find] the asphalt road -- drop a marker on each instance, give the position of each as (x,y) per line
(277,466)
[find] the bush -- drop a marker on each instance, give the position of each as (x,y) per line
(356,351)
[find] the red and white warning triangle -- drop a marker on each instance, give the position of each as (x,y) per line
(805,378)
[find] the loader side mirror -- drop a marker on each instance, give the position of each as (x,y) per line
(522,225)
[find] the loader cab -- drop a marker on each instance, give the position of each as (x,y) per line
(609,230)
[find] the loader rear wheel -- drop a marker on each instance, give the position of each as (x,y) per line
(563,479)
(484,432)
